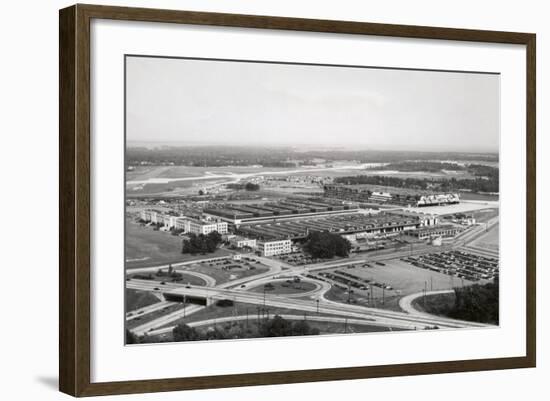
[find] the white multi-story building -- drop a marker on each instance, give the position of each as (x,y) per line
(193,226)
(169,221)
(150,215)
(276,247)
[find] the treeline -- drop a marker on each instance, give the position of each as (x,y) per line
(485,184)
(202,243)
(326,245)
(274,327)
(474,303)
(428,166)
(477,303)
(220,156)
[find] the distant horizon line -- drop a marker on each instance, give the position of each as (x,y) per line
(347,147)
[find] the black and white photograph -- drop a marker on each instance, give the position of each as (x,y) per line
(271,199)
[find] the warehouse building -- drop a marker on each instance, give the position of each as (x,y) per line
(289,208)
(444,231)
(389,195)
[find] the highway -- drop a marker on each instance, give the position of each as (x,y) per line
(380,316)
(310,318)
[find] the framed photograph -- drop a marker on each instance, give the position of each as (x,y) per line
(250,200)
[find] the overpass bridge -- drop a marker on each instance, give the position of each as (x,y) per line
(207,296)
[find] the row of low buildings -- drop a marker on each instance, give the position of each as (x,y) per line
(395,196)
(188,225)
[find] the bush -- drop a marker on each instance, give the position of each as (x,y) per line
(183,332)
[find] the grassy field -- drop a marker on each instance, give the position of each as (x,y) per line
(484,215)
(223,276)
(185,279)
(146,247)
(490,240)
(477,197)
(279,288)
(136,299)
(437,304)
(146,318)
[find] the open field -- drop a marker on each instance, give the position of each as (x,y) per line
(223,276)
(138,299)
(138,321)
(184,279)
(466,196)
(489,240)
(173,187)
(484,215)
(147,247)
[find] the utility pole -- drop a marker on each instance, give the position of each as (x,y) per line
(184,306)
(383,293)
(346,325)
(431,283)
(317,305)
(425,290)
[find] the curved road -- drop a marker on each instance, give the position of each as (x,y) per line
(406,303)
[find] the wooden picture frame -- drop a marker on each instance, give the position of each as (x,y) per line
(74,199)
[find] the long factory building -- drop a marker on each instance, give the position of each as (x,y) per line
(290,208)
(384,223)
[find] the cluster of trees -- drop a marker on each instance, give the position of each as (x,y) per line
(275,327)
(475,303)
(429,166)
(280,327)
(202,243)
(326,245)
(170,273)
(486,183)
(249,186)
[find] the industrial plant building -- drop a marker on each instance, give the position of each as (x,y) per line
(366,193)
(289,208)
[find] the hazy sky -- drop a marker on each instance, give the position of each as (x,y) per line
(223,102)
